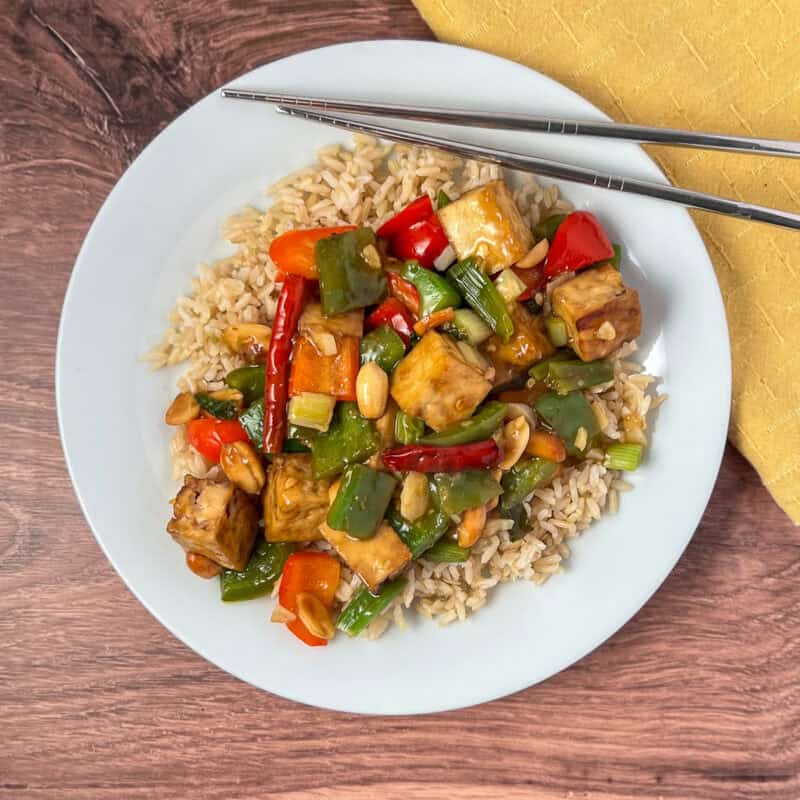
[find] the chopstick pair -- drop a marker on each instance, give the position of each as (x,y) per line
(307,108)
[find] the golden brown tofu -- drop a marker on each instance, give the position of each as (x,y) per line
(216,520)
(600,311)
(487,224)
(435,382)
(527,345)
(374,559)
(295,502)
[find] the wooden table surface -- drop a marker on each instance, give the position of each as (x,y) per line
(697,697)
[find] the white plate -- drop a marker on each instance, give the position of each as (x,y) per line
(163,217)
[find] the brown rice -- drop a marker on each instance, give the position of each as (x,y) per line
(365,184)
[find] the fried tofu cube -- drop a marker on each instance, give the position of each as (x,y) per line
(215,519)
(373,560)
(435,382)
(528,344)
(295,502)
(486,223)
(600,311)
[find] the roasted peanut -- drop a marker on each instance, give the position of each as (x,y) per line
(534,256)
(514,441)
(281,614)
(248,339)
(242,465)
(414,496)
(385,425)
(470,529)
(183,409)
(201,565)
(314,615)
(372,390)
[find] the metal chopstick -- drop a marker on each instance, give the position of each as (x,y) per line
(528,122)
(557,169)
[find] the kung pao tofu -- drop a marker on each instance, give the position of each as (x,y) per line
(416,381)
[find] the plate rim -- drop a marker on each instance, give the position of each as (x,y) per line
(200,649)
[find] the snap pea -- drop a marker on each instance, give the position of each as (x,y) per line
(361,501)
(349,440)
(384,347)
(421,535)
(346,279)
(435,292)
(408,429)
(475,429)
(249,381)
(457,491)
(539,370)
(482,297)
(523,478)
(258,577)
(566,414)
(568,376)
(447,552)
(365,606)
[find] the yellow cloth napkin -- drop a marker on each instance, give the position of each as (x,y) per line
(731,66)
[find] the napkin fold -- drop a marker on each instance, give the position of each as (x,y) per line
(733,67)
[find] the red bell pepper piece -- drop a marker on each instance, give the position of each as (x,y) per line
(533,279)
(404,291)
(208,435)
(313,572)
(334,375)
(393,313)
(293,297)
(579,241)
(430,458)
(293,252)
(423,241)
(416,211)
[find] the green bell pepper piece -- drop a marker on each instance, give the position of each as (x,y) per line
(482,297)
(457,491)
(258,577)
(442,200)
(568,376)
(408,429)
(361,501)
(249,381)
(435,292)
(349,440)
(447,552)
(346,280)
(539,370)
(547,228)
(221,409)
(525,476)
(365,606)
(475,429)
(384,347)
(566,414)
(252,420)
(421,535)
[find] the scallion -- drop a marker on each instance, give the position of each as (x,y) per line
(626,456)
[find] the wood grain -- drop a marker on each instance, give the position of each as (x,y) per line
(697,697)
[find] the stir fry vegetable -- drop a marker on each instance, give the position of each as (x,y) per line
(364,606)
(569,415)
(482,296)
(249,381)
(293,252)
(447,552)
(435,293)
(404,291)
(384,346)
(523,478)
(408,429)
(293,297)
(415,233)
(567,376)
(333,374)
(317,574)
(429,458)
(350,274)
(208,435)
(392,313)
(349,440)
(625,456)
(579,241)
(479,427)
(422,534)
(458,491)
(259,576)
(361,501)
